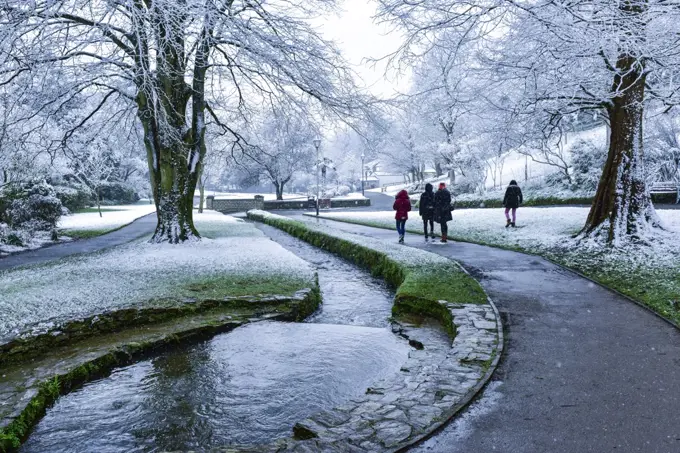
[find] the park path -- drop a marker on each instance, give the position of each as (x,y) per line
(584,370)
(140,227)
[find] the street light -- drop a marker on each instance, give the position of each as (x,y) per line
(362,173)
(317,144)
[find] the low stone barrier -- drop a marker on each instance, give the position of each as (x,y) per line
(349,203)
(28,388)
(227,205)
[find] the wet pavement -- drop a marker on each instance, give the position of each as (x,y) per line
(584,370)
(140,227)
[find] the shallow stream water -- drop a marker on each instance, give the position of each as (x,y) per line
(248,386)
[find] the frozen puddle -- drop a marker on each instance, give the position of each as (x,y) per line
(249,386)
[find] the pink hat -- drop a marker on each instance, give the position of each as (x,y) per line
(442,185)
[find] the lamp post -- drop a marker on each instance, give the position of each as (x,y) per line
(362,173)
(317,144)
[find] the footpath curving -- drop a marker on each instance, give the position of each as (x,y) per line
(142,226)
(584,369)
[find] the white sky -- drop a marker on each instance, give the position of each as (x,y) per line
(361,39)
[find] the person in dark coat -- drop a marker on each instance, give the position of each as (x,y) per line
(402,204)
(442,209)
(513,198)
(426,209)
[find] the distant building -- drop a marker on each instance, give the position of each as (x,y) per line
(376,176)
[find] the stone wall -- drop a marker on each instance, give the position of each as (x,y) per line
(226,205)
(350,203)
(273,205)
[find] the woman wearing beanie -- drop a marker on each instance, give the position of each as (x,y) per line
(442,209)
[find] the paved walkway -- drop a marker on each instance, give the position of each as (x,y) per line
(584,370)
(140,227)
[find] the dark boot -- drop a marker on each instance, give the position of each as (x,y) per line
(508,224)
(512,224)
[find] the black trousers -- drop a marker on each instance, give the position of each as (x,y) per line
(445,228)
(425,222)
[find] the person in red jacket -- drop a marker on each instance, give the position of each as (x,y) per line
(402,204)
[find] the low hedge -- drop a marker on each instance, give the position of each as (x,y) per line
(419,288)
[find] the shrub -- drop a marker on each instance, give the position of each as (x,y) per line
(118,193)
(73,198)
(587,162)
(8,194)
(36,209)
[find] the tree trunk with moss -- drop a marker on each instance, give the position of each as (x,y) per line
(622,208)
(175,149)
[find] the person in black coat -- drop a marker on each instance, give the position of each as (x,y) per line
(513,198)
(442,209)
(426,209)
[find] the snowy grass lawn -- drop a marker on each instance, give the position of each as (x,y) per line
(350,196)
(88,223)
(234,258)
(648,273)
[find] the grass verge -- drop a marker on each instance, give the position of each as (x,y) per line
(422,279)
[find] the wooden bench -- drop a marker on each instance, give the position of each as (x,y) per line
(666,187)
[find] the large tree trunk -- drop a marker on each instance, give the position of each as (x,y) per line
(622,208)
(175,149)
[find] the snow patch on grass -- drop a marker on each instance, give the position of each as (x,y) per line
(112,217)
(141,274)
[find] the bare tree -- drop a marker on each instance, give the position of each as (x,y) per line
(280,146)
(180,66)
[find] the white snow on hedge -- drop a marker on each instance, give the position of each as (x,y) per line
(540,230)
(407,256)
(112,217)
(37,298)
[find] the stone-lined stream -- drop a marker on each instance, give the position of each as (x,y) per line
(249,386)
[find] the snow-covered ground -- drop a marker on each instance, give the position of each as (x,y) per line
(540,230)
(351,196)
(112,217)
(37,298)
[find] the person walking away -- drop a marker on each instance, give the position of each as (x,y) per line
(402,204)
(442,210)
(426,209)
(513,198)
